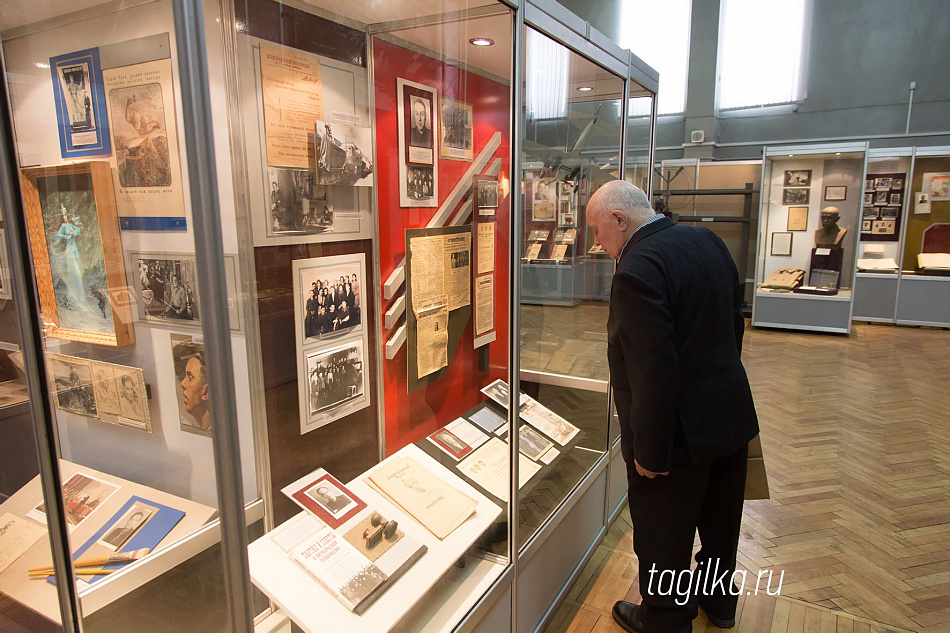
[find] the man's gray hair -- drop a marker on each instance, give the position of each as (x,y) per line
(626,198)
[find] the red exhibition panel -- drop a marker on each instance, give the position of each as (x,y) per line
(412,416)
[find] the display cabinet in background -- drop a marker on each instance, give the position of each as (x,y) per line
(924,295)
(285,349)
(809,220)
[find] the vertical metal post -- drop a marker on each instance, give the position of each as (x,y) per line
(209,251)
(31,344)
(514,307)
(652,148)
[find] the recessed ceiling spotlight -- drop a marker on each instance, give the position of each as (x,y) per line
(791,155)
(42,65)
(585,88)
(481,41)
(837,153)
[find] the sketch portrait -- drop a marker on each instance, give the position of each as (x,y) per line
(191,378)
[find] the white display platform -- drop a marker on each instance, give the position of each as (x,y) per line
(313,609)
(41,596)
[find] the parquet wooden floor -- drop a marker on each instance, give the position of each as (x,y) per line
(856,437)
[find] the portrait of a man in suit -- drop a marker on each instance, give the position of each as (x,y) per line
(421,133)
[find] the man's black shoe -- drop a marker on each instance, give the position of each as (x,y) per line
(722,623)
(627,616)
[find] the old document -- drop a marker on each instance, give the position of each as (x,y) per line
(548,422)
(484,304)
(427,276)
(293,102)
(486,247)
(434,503)
(16,536)
(488,467)
(432,341)
(458,281)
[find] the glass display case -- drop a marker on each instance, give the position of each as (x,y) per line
(266,278)
(809,217)
(924,297)
(883,217)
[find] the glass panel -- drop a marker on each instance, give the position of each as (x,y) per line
(24,542)
(569,152)
(376,153)
(883,209)
(96,103)
(811,214)
(927,241)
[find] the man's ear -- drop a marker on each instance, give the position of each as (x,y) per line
(620,218)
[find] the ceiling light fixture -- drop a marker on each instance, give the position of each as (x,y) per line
(585,88)
(481,41)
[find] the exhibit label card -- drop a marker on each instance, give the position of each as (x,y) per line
(146,166)
(293,103)
(486,247)
(484,304)
(16,536)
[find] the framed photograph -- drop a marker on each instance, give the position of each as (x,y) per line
(344,154)
(836,193)
(79,97)
(881,197)
(797,219)
(781,244)
(77,253)
(418,167)
(796,196)
(797,178)
(72,387)
(543,200)
(895,198)
(869,213)
(869,183)
(331,338)
(486,194)
(890,212)
(897,183)
(126,526)
(882,183)
(166,289)
(866,226)
(336,378)
(869,197)
(456,140)
(191,384)
(321,494)
(82,495)
(297,205)
(6,291)
(450,443)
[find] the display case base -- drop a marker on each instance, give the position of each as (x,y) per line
(875,297)
(811,313)
(924,301)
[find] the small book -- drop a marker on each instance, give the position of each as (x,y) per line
(321,494)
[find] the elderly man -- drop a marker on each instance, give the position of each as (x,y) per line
(685,407)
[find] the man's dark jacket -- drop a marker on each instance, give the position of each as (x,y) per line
(674,339)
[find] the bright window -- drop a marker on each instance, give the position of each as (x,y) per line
(761,46)
(547,77)
(658,33)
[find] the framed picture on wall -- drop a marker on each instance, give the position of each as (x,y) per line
(797,219)
(417,121)
(796,196)
(456,137)
(797,178)
(77,253)
(543,199)
(781,244)
(835,193)
(79,96)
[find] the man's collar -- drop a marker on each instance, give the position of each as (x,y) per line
(655,223)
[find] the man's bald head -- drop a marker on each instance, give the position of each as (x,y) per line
(614,212)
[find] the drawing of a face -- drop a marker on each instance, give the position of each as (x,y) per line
(137,116)
(194,388)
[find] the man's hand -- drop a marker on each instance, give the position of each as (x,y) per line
(649,474)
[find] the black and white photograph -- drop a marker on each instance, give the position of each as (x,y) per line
(869,197)
(866,226)
(457,138)
(333,500)
(419,183)
(332,299)
(127,526)
(882,183)
(297,205)
(881,197)
(532,443)
(796,196)
(166,288)
(797,178)
(895,198)
(897,183)
(344,154)
(72,386)
(835,193)
(869,212)
(869,183)
(107,391)
(890,212)
(417,126)
(459,259)
(75,82)
(487,193)
(335,376)
(132,396)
